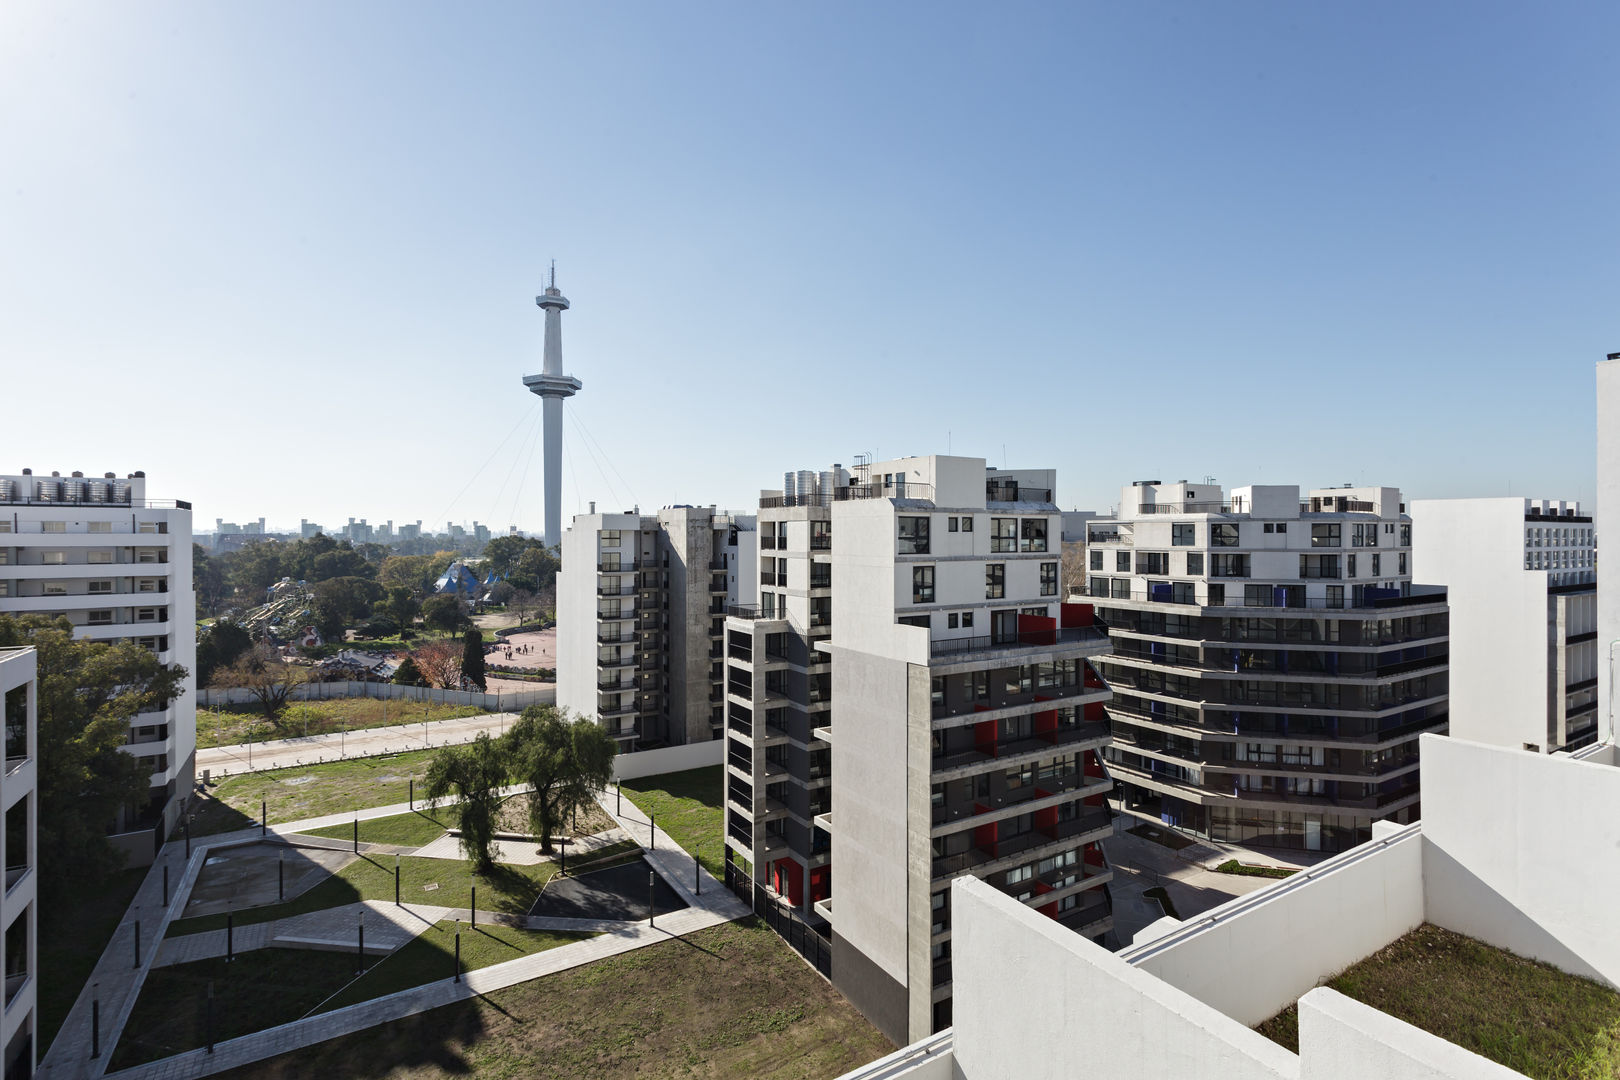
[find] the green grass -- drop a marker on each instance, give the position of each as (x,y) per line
(687,806)
(71,940)
(407,830)
(308,791)
(232,724)
(431,957)
(506,888)
(1519,1013)
(257,990)
(1232,866)
(732,1000)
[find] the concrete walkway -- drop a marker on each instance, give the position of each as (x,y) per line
(522,852)
(368,742)
(117,979)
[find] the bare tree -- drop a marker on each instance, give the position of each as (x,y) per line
(1074,569)
(440,663)
(521,603)
(270,679)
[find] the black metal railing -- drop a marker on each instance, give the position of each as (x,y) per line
(1074,635)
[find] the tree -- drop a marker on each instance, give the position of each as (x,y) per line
(207,578)
(538,564)
(87,692)
(440,663)
(270,680)
(522,604)
(342,562)
(445,613)
(414,572)
(255,567)
(341,602)
(408,674)
(564,760)
(472,658)
(402,605)
(474,774)
(218,645)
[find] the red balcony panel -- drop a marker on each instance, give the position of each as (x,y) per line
(787,878)
(1095,713)
(820,883)
(984,737)
(1046,722)
(1041,888)
(985,835)
(1094,855)
(1045,819)
(1075,615)
(1050,910)
(1037,630)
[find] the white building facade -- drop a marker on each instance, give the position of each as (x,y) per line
(1521,579)
(910,702)
(641,605)
(117,565)
(19,915)
(1607,524)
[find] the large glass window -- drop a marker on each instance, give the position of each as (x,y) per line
(1228,566)
(1195,562)
(1032,535)
(914,536)
(1152,562)
(1325,534)
(1003,534)
(1223,534)
(1096,560)
(1183,534)
(995,581)
(922,584)
(820,536)
(1122,562)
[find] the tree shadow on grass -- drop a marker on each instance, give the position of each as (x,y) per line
(437,1039)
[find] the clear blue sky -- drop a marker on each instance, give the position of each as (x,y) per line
(283,256)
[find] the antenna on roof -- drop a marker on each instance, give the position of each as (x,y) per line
(553,273)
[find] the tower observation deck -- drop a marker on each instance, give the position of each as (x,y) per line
(552,386)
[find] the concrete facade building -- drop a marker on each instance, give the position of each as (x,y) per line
(1607,524)
(118,566)
(1521,579)
(1273,665)
(19,915)
(641,602)
(910,702)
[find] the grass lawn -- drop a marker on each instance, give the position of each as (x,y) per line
(687,806)
(71,940)
(232,724)
(506,888)
(257,990)
(728,1001)
(1232,866)
(432,956)
(1519,1013)
(406,830)
(308,791)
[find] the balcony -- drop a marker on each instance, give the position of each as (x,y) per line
(622,709)
(626,613)
(777,579)
(718,565)
(1011,752)
(1093,820)
(1003,491)
(1038,794)
(615,590)
(617,567)
(963,647)
(750,611)
(615,683)
(897,490)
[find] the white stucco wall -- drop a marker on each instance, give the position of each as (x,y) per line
(1342,1039)
(1607,522)
(1036,1001)
(1520,852)
(668,759)
(1254,956)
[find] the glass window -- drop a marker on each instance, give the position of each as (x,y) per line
(950,524)
(967,620)
(1096,560)
(1003,534)
(53,526)
(1350,565)
(1325,534)
(1152,562)
(1223,534)
(995,581)
(820,535)
(1182,534)
(1375,568)
(922,584)
(950,621)
(102,557)
(914,536)
(1195,562)
(53,558)
(1217,596)
(1122,562)
(1032,536)
(1049,578)
(55,588)
(100,527)
(967,524)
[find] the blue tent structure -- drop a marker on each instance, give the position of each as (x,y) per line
(458,581)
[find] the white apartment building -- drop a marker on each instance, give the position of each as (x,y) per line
(118,566)
(1272,665)
(1521,578)
(19,914)
(641,605)
(1492,859)
(910,702)
(1608,524)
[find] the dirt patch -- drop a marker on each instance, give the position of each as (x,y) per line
(592,819)
(249,876)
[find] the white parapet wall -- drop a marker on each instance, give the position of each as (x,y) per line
(668,759)
(1254,956)
(1342,1039)
(494,701)
(1522,851)
(1037,1001)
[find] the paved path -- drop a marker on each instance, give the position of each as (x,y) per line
(117,980)
(369,742)
(521,852)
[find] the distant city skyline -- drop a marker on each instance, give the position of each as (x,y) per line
(284,259)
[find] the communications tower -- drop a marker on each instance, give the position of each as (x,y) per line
(552,386)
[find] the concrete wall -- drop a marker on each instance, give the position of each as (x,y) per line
(1036,1001)
(668,759)
(1475,547)
(496,701)
(1607,523)
(1519,852)
(1289,938)
(1342,1039)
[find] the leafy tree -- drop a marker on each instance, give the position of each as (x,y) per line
(207,578)
(402,605)
(218,645)
(472,658)
(88,691)
(255,567)
(339,602)
(414,572)
(270,680)
(474,774)
(538,564)
(565,760)
(408,674)
(341,562)
(440,663)
(445,613)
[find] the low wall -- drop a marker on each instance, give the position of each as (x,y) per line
(1254,956)
(668,759)
(495,701)
(1342,1039)
(1519,852)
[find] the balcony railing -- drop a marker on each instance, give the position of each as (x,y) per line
(622,567)
(897,490)
(1047,741)
(750,611)
(1092,820)
(1075,635)
(1099,590)
(1006,491)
